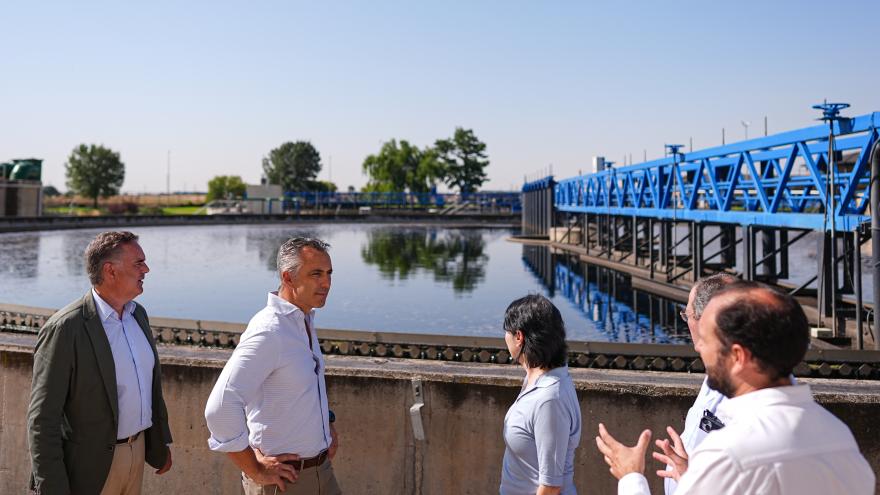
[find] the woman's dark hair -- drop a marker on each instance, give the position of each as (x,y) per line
(542,328)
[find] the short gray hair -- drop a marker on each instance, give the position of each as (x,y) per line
(707,287)
(103,248)
(289,259)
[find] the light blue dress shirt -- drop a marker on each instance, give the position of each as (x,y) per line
(542,429)
(133,359)
(271,394)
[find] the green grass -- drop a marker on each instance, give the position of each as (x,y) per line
(66,210)
(183,210)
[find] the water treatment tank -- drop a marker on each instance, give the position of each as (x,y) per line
(27,169)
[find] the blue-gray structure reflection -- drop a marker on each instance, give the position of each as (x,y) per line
(607,299)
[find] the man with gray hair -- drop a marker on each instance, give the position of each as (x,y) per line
(96,410)
(698,422)
(268,410)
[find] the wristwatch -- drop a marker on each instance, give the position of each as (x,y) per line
(332,416)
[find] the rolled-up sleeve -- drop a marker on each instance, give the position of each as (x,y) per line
(239,384)
(552,431)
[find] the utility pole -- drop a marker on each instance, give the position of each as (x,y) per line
(746,125)
(168,177)
(723,139)
(765,126)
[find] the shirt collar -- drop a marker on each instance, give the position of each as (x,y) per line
(548,378)
(551,377)
(742,406)
(283,307)
(106,311)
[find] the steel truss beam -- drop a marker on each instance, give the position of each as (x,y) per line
(775,181)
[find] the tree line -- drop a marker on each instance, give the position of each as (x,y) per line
(460,162)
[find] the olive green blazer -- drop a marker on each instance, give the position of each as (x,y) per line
(73,413)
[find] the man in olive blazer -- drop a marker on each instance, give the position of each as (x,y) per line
(74,412)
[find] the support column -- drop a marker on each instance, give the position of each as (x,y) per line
(768,244)
(748,252)
(823,258)
(783,254)
(697,250)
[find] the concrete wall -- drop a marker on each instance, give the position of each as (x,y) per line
(463,414)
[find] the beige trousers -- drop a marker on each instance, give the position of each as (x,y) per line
(318,480)
(127,471)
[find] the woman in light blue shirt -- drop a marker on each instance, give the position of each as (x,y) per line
(542,428)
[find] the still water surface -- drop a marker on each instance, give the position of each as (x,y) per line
(386,278)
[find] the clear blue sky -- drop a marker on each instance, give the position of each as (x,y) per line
(221,83)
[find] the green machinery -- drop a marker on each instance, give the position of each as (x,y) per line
(30,169)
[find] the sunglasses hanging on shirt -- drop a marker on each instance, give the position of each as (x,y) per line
(710,422)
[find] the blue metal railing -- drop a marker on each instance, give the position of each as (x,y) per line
(483,200)
(779,180)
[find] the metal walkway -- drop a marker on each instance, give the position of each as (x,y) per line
(781,180)
(737,208)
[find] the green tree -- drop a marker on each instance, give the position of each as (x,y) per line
(464,159)
(322,186)
(94,171)
(225,186)
(50,191)
(293,165)
(404,166)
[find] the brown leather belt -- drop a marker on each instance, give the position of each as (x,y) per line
(130,439)
(310,462)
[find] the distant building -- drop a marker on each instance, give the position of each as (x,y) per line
(21,188)
(263,198)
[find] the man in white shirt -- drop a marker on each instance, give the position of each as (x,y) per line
(777,439)
(707,400)
(268,410)
(96,412)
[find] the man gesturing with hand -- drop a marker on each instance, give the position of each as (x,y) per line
(776,439)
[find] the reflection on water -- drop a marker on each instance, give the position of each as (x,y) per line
(450,256)
(74,248)
(20,257)
(389,278)
(266,244)
(606,298)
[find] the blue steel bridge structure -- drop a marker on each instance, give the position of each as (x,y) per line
(694,213)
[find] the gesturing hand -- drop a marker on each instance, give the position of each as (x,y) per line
(673,455)
(621,459)
(273,470)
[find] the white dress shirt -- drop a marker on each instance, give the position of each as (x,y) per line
(707,400)
(776,441)
(692,436)
(134,361)
(271,394)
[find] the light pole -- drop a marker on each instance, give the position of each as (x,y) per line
(831,114)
